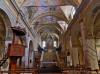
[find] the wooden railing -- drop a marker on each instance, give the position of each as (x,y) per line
(19,71)
(5,57)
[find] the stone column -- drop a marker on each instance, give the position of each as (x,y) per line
(98,50)
(92,53)
(31,60)
(80,51)
(89,50)
(75,56)
(41,59)
(71,50)
(85,50)
(81,62)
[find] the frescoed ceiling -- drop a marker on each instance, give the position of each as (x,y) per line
(49,16)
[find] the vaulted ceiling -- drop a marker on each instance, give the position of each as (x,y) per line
(44,15)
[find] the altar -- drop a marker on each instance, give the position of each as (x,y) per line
(49,58)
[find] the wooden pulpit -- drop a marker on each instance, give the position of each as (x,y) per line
(16,49)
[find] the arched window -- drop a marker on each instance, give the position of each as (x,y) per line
(43,44)
(55,43)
